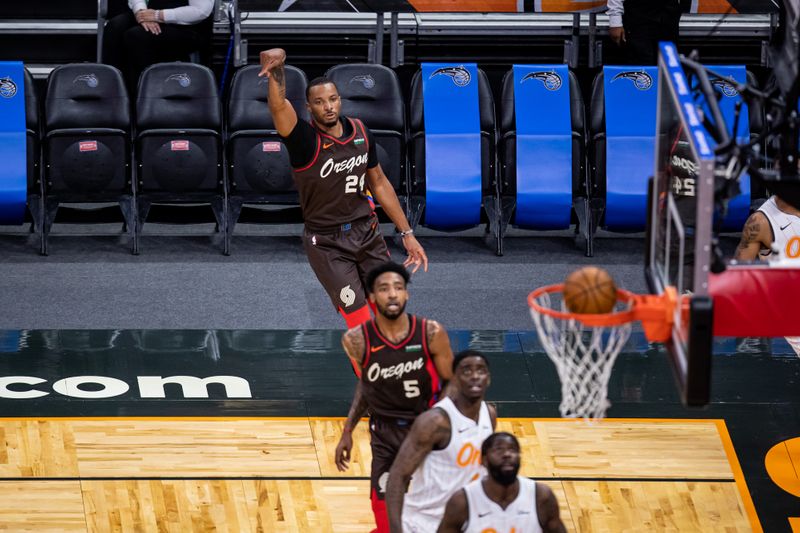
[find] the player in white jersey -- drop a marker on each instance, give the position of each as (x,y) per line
(441,453)
(502,501)
(775,226)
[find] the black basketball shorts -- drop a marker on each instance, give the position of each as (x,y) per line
(386,436)
(342,257)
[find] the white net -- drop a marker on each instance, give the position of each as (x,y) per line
(584,357)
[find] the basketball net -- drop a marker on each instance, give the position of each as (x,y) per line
(584,357)
(584,346)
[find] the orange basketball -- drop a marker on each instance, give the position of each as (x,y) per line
(590,290)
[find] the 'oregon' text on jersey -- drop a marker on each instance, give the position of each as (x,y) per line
(331,186)
(399,380)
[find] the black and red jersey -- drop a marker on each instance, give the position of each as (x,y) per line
(331,186)
(399,380)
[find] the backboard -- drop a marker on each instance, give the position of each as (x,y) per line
(679,227)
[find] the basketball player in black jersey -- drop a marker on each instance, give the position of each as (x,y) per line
(404,361)
(335,162)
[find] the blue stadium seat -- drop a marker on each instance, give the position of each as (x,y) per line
(618,181)
(87,141)
(259,167)
(553,191)
(419,186)
(622,145)
(179,157)
(750,124)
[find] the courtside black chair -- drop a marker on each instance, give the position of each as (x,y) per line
(490,207)
(372,93)
(87,141)
(179,157)
(507,149)
(259,169)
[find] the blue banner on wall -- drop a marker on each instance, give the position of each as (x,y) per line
(630,108)
(730,75)
(13,178)
(452,145)
(544,146)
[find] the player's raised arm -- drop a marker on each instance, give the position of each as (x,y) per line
(441,351)
(547,509)
(456,513)
(283,114)
(431,429)
(384,195)
(755,236)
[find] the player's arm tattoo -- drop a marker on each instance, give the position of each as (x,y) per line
(354,345)
(357,409)
(752,240)
(456,513)
(547,509)
(278,76)
(431,430)
(441,351)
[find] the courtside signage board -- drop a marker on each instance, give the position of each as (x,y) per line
(13,146)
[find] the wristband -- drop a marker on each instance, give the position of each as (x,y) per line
(407,232)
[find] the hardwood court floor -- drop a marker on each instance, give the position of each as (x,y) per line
(278,474)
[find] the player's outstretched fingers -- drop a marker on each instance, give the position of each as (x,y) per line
(416,254)
(342,454)
(409,262)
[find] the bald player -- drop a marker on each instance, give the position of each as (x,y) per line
(502,500)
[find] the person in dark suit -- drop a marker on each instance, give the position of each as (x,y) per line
(639,25)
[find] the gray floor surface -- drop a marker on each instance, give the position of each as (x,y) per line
(182,281)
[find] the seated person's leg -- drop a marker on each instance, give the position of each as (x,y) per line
(113,39)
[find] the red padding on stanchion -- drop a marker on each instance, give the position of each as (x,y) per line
(755,302)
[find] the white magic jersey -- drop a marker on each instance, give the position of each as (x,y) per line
(786,234)
(785,230)
(519,517)
(444,472)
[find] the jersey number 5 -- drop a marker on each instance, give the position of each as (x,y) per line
(353,183)
(411,387)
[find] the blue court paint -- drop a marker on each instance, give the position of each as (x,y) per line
(13,178)
(544,146)
(452,145)
(630,106)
